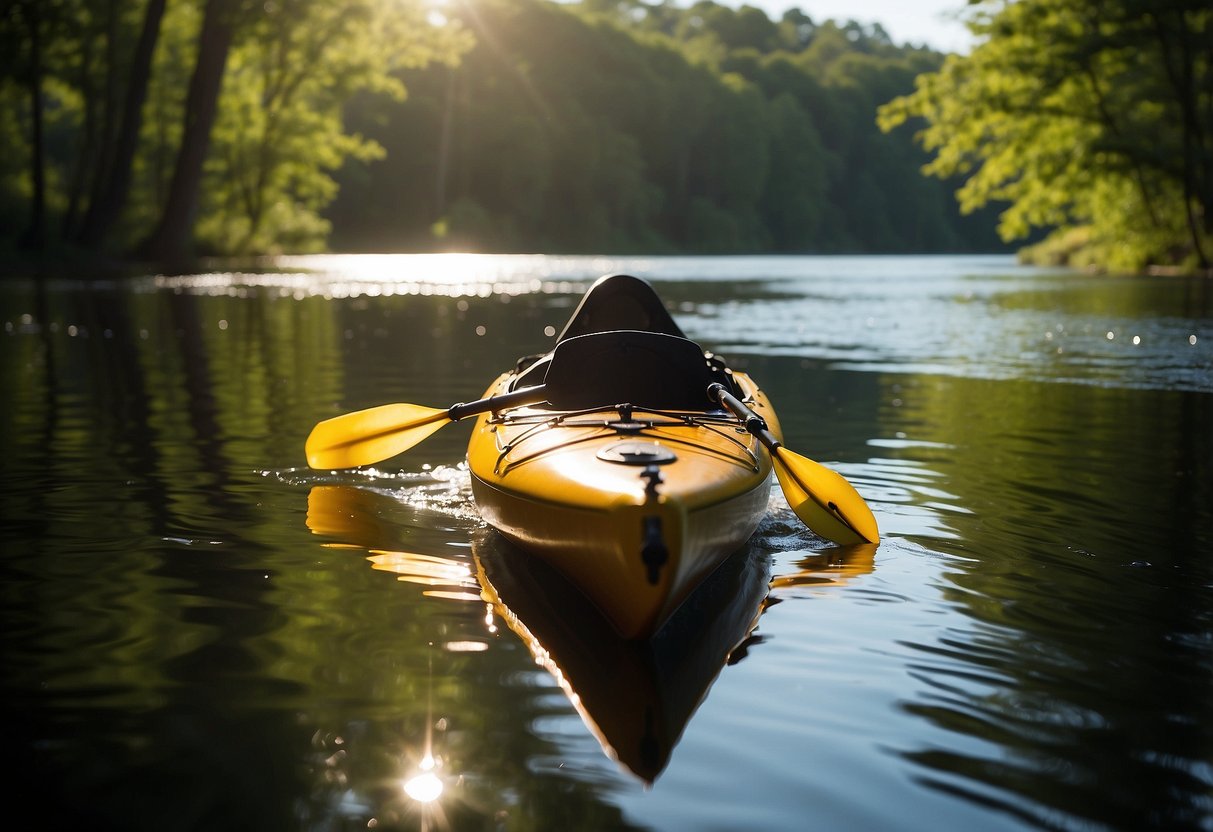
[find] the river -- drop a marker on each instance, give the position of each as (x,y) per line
(201,633)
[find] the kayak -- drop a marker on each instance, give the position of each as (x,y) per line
(626,478)
(627,457)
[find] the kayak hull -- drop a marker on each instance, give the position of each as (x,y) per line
(635,508)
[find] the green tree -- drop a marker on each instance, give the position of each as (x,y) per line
(111,180)
(234,127)
(620,125)
(794,201)
(1081,114)
(746,27)
(212,122)
(280,132)
(170,240)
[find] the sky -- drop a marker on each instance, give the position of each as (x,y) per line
(912,21)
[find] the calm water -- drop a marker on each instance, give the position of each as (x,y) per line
(199,633)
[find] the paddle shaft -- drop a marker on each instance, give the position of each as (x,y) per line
(750,420)
(503,401)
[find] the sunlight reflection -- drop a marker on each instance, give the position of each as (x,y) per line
(425,569)
(449,274)
(447,578)
(424,787)
(465,646)
(344,511)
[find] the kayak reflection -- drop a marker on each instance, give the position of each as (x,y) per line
(636,697)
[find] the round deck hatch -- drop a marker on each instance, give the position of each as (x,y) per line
(637,453)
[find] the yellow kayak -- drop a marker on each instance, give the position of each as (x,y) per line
(627,457)
(626,477)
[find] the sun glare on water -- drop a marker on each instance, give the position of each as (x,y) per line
(452,274)
(424,787)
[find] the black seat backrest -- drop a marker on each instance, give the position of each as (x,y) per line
(646,369)
(620,301)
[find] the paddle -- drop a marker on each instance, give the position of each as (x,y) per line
(375,434)
(821,498)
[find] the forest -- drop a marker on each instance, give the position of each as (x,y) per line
(163,130)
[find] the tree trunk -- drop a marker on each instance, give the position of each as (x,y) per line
(170,241)
(1183,62)
(113,184)
(86,164)
(34,237)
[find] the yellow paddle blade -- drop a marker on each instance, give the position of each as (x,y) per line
(824,500)
(372,435)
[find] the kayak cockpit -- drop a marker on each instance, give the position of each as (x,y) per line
(620,301)
(622,347)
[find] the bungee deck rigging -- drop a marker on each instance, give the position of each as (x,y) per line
(627,424)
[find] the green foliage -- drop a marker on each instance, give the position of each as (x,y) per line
(280,130)
(163,116)
(604,125)
(1081,114)
(620,125)
(279,134)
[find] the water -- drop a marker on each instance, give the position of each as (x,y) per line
(199,632)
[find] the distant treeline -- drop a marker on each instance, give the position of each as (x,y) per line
(627,126)
(167,128)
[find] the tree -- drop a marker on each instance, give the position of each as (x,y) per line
(24,32)
(169,242)
(241,126)
(280,129)
(794,201)
(1093,114)
(112,181)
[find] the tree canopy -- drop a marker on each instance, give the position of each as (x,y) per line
(622,125)
(1093,118)
(174,126)
(167,128)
